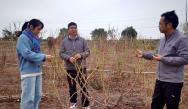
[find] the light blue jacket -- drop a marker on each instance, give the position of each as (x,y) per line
(29,61)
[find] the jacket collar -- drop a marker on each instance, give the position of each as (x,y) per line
(30,33)
(73,38)
(171,35)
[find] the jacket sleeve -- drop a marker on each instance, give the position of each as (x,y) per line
(62,52)
(148,55)
(86,52)
(182,54)
(24,49)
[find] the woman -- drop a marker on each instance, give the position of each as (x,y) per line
(30,60)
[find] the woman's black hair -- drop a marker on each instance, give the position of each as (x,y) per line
(35,23)
(25,25)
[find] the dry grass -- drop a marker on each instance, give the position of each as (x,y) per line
(115,77)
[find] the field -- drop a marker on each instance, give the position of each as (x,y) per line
(116,78)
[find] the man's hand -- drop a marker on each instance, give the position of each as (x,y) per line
(49,57)
(77,56)
(157,57)
(139,53)
(72,59)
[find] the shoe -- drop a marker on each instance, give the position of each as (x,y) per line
(72,106)
(88,107)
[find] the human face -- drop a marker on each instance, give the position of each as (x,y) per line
(164,27)
(36,30)
(72,30)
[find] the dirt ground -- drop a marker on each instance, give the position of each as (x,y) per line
(116,80)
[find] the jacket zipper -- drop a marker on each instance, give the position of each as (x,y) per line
(74,45)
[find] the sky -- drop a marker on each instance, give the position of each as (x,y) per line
(143,15)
